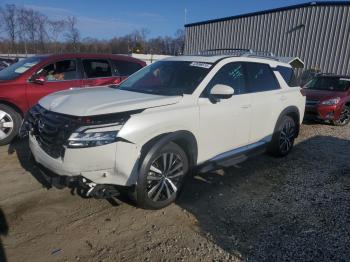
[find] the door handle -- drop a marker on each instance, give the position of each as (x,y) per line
(246,106)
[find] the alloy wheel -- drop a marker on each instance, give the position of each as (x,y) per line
(6,125)
(287,136)
(165,176)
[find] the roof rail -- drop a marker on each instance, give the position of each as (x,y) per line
(225,51)
(237,52)
(295,62)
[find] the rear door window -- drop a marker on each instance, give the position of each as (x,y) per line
(60,71)
(260,78)
(96,68)
(125,68)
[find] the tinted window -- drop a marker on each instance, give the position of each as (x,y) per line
(167,78)
(59,71)
(231,74)
(19,68)
(329,83)
(95,68)
(288,75)
(125,68)
(260,78)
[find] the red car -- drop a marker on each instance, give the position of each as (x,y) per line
(25,82)
(328,98)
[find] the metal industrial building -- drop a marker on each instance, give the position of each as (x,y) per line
(316,32)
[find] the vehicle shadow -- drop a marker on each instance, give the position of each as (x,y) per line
(278,209)
(3,232)
(48,179)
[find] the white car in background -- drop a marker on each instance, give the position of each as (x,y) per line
(200,112)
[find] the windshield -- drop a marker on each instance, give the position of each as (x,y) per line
(167,78)
(15,70)
(329,84)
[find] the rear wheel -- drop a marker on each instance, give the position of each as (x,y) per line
(10,122)
(283,138)
(344,118)
(161,177)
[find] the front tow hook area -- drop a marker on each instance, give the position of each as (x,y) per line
(78,184)
(99,191)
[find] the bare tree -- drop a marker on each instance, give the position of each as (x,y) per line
(30,31)
(179,41)
(56,28)
(9,18)
(72,35)
(42,34)
(28,26)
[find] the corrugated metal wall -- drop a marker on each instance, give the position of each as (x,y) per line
(319,35)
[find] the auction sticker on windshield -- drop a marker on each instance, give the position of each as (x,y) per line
(203,65)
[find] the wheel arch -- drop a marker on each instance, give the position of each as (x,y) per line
(294,113)
(12,105)
(185,139)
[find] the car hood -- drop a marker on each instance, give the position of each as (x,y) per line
(321,95)
(102,100)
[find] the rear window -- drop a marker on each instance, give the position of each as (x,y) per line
(95,68)
(329,83)
(125,68)
(288,74)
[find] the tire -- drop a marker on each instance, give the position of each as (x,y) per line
(10,123)
(159,185)
(283,138)
(344,118)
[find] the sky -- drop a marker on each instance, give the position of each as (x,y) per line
(104,19)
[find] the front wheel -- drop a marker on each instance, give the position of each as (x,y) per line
(344,118)
(10,122)
(283,138)
(161,177)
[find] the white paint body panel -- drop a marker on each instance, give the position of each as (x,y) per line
(218,127)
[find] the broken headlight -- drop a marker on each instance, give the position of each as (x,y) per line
(79,140)
(93,137)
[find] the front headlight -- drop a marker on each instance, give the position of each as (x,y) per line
(90,139)
(331,102)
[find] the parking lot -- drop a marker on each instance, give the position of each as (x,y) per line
(266,209)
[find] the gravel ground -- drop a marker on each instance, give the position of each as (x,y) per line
(266,209)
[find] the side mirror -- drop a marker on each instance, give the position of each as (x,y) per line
(37,79)
(221,92)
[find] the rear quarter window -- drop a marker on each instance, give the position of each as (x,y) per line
(288,75)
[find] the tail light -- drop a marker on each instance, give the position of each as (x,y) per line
(302,91)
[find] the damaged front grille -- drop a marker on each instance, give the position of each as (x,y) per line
(51,129)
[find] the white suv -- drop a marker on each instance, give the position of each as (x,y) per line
(180,114)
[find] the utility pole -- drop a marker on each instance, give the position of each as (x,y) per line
(185,15)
